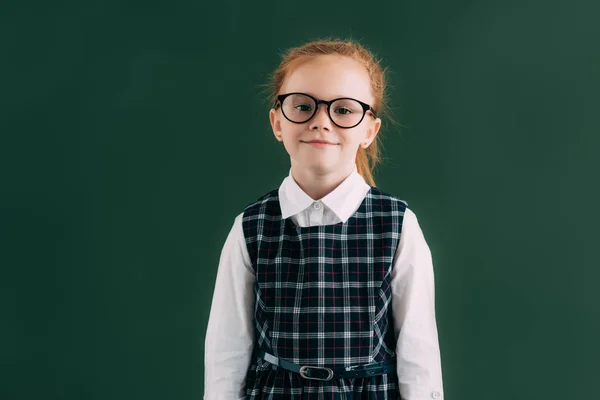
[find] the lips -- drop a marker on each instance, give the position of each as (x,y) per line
(319,141)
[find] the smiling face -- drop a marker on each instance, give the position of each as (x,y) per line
(325,77)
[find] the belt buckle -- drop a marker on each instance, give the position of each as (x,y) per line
(304,368)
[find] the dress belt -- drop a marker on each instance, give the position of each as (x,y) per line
(326,374)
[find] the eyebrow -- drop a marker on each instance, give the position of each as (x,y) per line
(337,96)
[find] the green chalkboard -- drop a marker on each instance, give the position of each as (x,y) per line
(122,169)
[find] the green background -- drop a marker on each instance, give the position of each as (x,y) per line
(132,133)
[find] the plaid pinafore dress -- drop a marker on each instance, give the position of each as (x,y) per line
(323,298)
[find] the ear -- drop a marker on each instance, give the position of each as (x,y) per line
(372,130)
(276,124)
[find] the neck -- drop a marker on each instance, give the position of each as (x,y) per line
(319,183)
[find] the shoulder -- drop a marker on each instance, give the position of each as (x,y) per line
(237,229)
(260,211)
(384,196)
(260,202)
(410,223)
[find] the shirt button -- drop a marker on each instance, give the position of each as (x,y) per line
(436,395)
(317,206)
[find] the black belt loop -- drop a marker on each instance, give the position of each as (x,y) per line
(326,374)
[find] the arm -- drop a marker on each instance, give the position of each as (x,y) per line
(413,305)
(230,334)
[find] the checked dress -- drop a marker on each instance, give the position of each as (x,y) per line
(323,298)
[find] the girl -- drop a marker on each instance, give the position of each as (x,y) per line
(325,286)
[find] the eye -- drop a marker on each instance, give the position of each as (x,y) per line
(303,107)
(346,107)
(343,110)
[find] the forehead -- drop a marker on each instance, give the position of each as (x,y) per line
(330,76)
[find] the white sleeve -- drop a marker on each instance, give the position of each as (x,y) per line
(413,304)
(229,338)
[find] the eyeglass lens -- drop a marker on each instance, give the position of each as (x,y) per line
(300,108)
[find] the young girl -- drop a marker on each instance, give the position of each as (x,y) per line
(325,284)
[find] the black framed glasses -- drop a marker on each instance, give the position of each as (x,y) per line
(301,107)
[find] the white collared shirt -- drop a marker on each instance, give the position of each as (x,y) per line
(229,338)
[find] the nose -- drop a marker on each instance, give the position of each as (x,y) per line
(321,119)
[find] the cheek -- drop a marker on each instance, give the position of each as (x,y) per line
(291,139)
(291,131)
(354,137)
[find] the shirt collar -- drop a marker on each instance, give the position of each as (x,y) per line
(342,200)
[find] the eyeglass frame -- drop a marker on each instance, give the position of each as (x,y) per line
(366,107)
